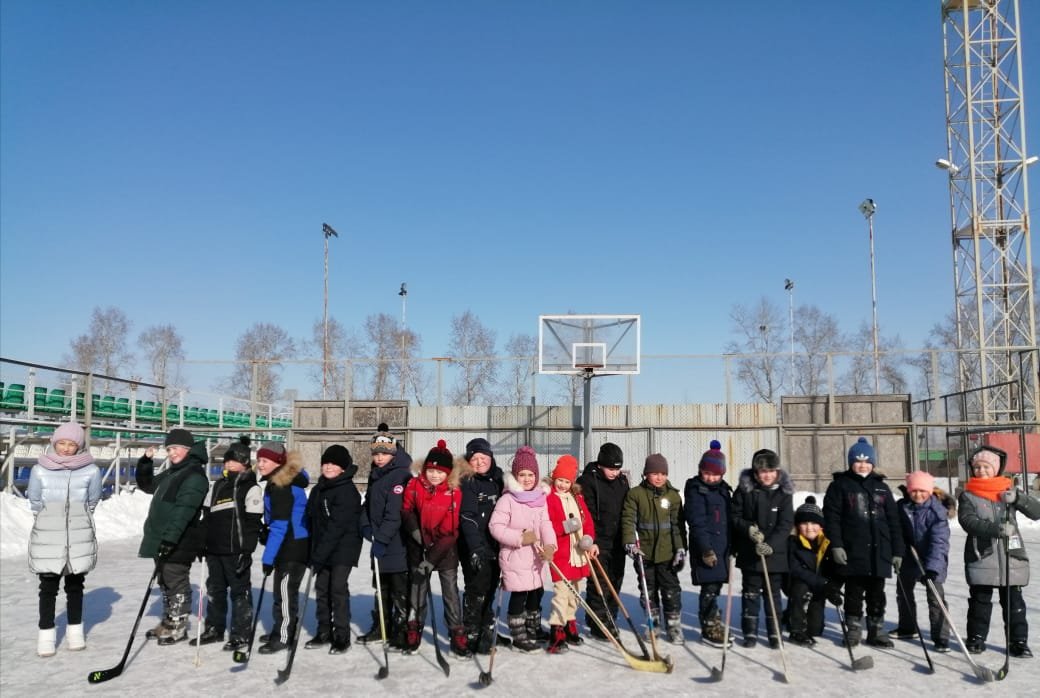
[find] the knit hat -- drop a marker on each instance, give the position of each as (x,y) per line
(610,456)
(566,468)
(238,451)
(479,445)
(439,457)
(920,480)
(69,431)
(524,459)
(862,451)
(764,459)
(991,455)
(383,441)
(179,437)
(809,512)
(337,454)
(272,450)
(713,461)
(655,463)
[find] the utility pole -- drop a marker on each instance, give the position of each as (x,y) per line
(403,293)
(789,287)
(329,232)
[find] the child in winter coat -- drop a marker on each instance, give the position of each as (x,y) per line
(64,488)
(381,524)
(986,511)
(604,487)
(812,578)
(233,511)
(287,544)
(862,523)
(763,514)
(924,512)
(655,537)
(706,508)
(480,481)
(575,545)
(520,523)
(430,516)
(174,532)
(333,520)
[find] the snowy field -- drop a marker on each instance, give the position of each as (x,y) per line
(116,586)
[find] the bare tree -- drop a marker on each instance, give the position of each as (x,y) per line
(343,345)
(761,330)
(858,378)
(523,352)
(262,347)
(393,349)
(471,346)
(164,349)
(103,349)
(817,334)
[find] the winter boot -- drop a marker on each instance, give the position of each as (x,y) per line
(159,629)
(412,637)
(235,643)
(45,642)
(74,637)
(713,633)
(534,627)
(271,646)
(673,624)
(521,639)
(557,640)
(375,634)
(208,636)
(749,626)
(1020,650)
(975,644)
(573,636)
(175,632)
(460,642)
(855,626)
(320,639)
(802,639)
(876,635)
(907,633)
(339,644)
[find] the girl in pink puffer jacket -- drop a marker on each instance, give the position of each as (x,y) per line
(520,523)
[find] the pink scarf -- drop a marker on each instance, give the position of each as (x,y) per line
(531,498)
(52,461)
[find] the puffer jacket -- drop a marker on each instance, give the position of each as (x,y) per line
(175,514)
(522,566)
(382,510)
(926,527)
(434,511)
(480,494)
(655,513)
(63,539)
(809,562)
(285,514)
(233,511)
(566,543)
(706,508)
(772,510)
(334,518)
(860,516)
(605,500)
(984,554)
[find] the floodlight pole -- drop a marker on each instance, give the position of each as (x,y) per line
(403,293)
(867,208)
(789,287)
(328,232)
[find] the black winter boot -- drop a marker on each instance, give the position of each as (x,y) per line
(373,635)
(208,637)
(320,639)
(673,626)
(876,635)
(855,626)
(749,626)
(534,627)
(521,640)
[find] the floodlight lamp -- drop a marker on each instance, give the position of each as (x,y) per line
(788,284)
(329,232)
(867,208)
(944,164)
(404,290)
(1032,160)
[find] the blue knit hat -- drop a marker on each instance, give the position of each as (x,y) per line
(862,451)
(714,460)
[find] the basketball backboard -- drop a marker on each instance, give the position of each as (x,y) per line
(600,344)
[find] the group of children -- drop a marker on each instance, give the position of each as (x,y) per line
(507,529)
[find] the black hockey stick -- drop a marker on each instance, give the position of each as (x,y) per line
(624,611)
(917,624)
(857,662)
(239,656)
(485,676)
(717,672)
(283,674)
(441,661)
(1002,672)
(107,674)
(384,670)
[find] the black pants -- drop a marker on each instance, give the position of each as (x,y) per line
(522,601)
(222,581)
(73,598)
(175,585)
(449,595)
(605,607)
(980,608)
(286,604)
(708,604)
(805,609)
(861,586)
(480,587)
(751,602)
(907,605)
(662,584)
(332,601)
(394,586)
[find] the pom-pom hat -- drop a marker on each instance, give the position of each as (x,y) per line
(713,461)
(809,512)
(439,457)
(383,441)
(566,468)
(238,451)
(862,452)
(524,459)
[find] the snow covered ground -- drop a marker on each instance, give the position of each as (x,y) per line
(115,589)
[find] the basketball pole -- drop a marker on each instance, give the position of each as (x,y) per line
(586,417)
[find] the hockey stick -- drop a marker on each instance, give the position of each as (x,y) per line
(283,674)
(198,624)
(441,661)
(717,672)
(239,656)
(646,596)
(485,676)
(384,670)
(982,673)
(917,624)
(1002,672)
(776,618)
(639,638)
(107,674)
(659,665)
(857,663)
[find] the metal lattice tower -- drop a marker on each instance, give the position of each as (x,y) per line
(989,208)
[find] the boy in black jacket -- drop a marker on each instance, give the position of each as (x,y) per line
(811,582)
(233,510)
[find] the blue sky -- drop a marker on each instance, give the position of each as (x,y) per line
(671,159)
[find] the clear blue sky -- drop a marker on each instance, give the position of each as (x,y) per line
(177,160)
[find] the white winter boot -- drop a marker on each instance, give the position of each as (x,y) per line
(74,636)
(45,643)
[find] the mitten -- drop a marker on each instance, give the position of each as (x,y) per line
(633,550)
(366,533)
(548,552)
(586,543)
(165,549)
(1007,529)
(755,535)
(264,530)
(833,593)
(764,549)
(378,550)
(244,563)
(839,556)
(1009,496)
(425,568)
(528,537)
(710,558)
(571,525)
(929,576)
(679,560)
(897,562)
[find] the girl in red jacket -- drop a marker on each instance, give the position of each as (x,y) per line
(575,534)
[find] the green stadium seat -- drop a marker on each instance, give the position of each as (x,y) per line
(14,397)
(149,411)
(40,399)
(81,403)
(191,415)
(106,407)
(173,413)
(56,401)
(123,408)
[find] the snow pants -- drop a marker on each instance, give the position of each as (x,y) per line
(222,581)
(980,608)
(332,601)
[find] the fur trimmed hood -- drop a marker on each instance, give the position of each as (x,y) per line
(285,474)
(510,484)
(747,481)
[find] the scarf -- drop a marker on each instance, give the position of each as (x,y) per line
(988,487)
(52,461)
(571,510)
(532,498)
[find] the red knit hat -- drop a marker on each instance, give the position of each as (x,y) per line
(439,457)
(566,468)
(713,461)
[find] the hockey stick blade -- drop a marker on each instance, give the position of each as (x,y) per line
(105,674)
(240,657)
(108,674)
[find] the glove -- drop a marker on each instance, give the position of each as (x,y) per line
(366,533)
(264,530)
(679,561)
(378,550)
(244,563)
(929,576)
(586,543)
(571,525)
(477,563)
(839,556)
(1009,496)
(633,551)
(548,552)
(528,537)
(425,568)
(755,535)
(165,549)
(268,569)
(1007,529)
(833,594)
(417,536)
(763,549)
(897,562)
(710,558)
